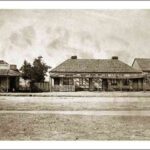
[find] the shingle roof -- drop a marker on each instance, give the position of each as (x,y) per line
(6,72)
(144,63)
(94,65)
(3,62)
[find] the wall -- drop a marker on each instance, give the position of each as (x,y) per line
(146,84)
(80,84)
(63,88)
(3,84)
(4,66)
(133,85)
(98,84)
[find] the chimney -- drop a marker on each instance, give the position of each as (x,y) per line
(13,67)
(115,57)
(73,57)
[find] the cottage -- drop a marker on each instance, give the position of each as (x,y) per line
(143,64)
(9,77)
(95,75)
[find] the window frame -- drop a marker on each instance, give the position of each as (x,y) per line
(67,81)
(126,82)
(56,81)
(83,81)
(114,82)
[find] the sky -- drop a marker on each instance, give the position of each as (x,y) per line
(58,34)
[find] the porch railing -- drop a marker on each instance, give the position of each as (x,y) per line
(64,88)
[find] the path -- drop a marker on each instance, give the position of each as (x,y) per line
(88,113)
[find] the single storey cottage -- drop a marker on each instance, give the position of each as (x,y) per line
(143,64)
(95,75)
(9,77)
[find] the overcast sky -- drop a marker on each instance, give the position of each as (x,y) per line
(58,34)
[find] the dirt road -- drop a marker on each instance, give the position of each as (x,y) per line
(74,118)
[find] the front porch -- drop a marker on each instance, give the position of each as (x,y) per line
(67,84)
(9,84)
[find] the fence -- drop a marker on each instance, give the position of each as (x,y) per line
(42,86)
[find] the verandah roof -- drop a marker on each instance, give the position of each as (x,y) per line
(6,72)
(102,76)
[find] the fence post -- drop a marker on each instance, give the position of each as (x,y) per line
(50,85)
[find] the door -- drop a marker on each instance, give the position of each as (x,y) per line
(104,84)
(12,87)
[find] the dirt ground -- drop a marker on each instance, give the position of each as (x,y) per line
(75,103)
(47,126)
(61,127)
(82,94)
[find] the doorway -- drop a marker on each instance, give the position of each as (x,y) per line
(12,83)
(104,85)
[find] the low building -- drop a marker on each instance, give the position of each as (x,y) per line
(143,64)
(95,75)
(9,77)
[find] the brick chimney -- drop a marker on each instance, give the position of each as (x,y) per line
(73,57)
(13,67)
(115,57)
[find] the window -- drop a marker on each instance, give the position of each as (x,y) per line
(67,81)
(83,81)
(125,82)
(56,81)
(114,82)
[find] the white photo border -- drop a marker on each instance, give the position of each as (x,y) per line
(74,5)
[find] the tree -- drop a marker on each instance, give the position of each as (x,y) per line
(35,72)
(26,71)
(39,70)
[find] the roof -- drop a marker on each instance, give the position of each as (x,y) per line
(3,62)
(95,65)
(144,63)
(6,72)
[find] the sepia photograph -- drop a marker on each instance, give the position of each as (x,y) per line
(74,75)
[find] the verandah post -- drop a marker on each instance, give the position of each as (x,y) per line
(7,84)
